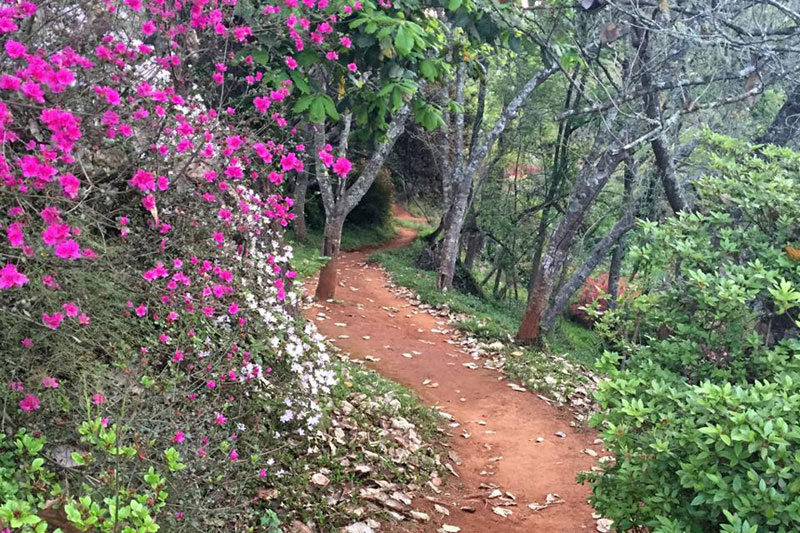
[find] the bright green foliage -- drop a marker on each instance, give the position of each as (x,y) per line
(27,486)
(704,414)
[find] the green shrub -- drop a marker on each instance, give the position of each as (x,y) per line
(702,406)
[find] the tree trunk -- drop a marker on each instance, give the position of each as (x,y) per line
(665,161)
(299,208)
(594,175)
(326,286)
(615,273)
(452,233)
(786,123)
(465,175)
(454,219)
(615,268)
(475,241)
(339,202)
(578,278)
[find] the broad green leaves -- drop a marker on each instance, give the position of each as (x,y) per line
(704,418)
(318,106)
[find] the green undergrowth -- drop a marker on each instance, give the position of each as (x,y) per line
(422,228)
(423,209)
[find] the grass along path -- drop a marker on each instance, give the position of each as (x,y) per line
(509,449)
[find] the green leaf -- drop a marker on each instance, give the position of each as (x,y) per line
(453,5)
(300,82)
(303,103)
(403,41)
(307,57)
(330,108)
(428,69)
(316,113)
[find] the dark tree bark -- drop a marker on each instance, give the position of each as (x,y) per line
(615,268)
(332,240)
(578,278)
(596,171)
(474,240)
(479,111)
(664,159)
(340,201)
(785,125)
(559,172)
(615,272)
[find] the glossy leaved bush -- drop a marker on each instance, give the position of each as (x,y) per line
(154,369)
(702,408)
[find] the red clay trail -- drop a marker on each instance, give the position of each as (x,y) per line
(503,424)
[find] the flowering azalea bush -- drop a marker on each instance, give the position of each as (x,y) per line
(152,358)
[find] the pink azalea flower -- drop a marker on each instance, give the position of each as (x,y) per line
(70,185)
(29,403)
(15,49)
(179,437)
(49,383)
(149,202)
(68,250)
(262,103)
(52,321)
(234,455)
(291,62)
(143,180)
(16,237)
(141,310)
(11,277)
(98,399)
(71,309)
(220,419)
(27,342)
(352,67)
(55,233)
(341,167)
(148,28)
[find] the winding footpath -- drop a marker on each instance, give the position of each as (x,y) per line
(504,438)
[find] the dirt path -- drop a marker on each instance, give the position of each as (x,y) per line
(503,425)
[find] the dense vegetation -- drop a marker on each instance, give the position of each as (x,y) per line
(610,185)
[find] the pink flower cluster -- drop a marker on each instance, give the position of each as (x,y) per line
(182,201)
(341,166)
